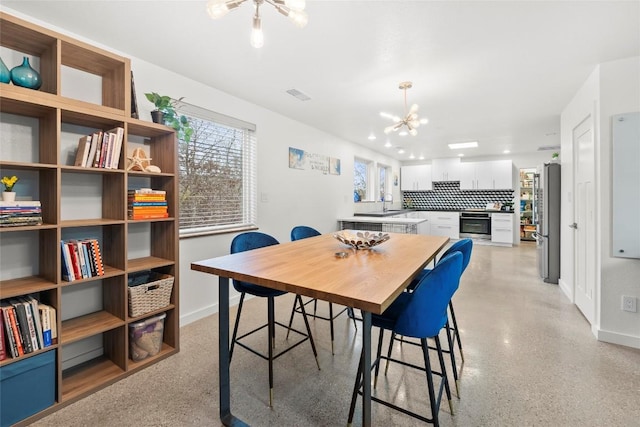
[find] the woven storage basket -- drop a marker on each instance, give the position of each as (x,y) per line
(150,296)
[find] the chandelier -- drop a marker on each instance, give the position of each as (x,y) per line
(410,119)
(293,9)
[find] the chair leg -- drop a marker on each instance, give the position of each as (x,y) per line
(393,337)
(432,397)
(272,327)
(452,355)
(377,362)
(306,322)
(456,331)
(444,372)
(356,387)
(235,327)
(315,306)
(293,311)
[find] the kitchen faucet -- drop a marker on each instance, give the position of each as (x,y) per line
(387,197)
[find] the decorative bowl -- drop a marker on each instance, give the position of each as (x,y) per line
(361,239)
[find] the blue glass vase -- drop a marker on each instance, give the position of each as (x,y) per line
(5,74)
(25,76)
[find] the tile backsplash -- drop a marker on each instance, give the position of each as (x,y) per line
(447,195)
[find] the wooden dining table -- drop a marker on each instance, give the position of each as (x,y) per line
(369,280)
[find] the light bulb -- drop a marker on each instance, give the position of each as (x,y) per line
(298,17)
(257,36)
(217,8)
(413,132)
(295,4)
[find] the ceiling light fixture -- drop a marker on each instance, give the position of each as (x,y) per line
(461,145)
(506,151)
(293,9)
(371,137)
(388,144)
(410,120)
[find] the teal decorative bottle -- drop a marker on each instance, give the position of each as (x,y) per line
(25,76)
(5,74)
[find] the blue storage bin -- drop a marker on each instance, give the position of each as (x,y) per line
(28,386)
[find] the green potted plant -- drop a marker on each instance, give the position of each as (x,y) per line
(554,157)
(166,113)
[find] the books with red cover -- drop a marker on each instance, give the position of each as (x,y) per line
(3,350)
(74,260)
(22,325)
(11,327)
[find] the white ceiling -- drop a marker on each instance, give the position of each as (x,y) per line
(497,72)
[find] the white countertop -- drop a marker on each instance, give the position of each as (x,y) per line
(382,220)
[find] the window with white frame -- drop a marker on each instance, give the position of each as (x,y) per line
(361,180)
(384,182)
(217,174)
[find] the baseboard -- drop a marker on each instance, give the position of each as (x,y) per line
(209,310)
(566,289)
(618,338)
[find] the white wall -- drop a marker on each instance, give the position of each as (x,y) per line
(612,88)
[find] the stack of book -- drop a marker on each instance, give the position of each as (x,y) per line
(81,259)
(145,203)
(19,213)
(26,325)
(100,149)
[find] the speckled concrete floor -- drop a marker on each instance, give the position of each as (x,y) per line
(531,360)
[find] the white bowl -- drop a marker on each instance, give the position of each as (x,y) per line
(361,239)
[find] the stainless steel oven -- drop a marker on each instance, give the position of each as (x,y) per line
(475,225)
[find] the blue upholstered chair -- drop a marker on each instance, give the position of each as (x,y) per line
(464,246)
(245,242)
(419,314)
(303,232)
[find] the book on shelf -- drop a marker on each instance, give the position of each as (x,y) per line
(11,327)
(98,138)
(20,213)
(146,191)
(53,323)
(45,319)
(67,264)
(22,325)
(31,324)
(149,216)
(36,319)
(81,259)
(116,148)
(3,350)
(82,153)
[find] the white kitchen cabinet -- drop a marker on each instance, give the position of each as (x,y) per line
(423,227)
(445,169)
(494,175)
(502,228)
(415,178)
(444,224)
(502,171)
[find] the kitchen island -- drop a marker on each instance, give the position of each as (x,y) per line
(387,224)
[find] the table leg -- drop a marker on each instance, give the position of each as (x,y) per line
(366,372)
(224,381)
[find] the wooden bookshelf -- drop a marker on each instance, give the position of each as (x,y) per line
(56,120)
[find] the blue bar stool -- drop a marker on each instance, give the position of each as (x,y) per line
(246,242)
(419,314)
(303,232)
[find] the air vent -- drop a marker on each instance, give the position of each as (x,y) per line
(297,94)
(548,147)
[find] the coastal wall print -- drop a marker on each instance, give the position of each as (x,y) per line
(300,159)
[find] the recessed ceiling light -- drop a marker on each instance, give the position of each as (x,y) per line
(371,137)
(506,151)
(400,150)
(421,157)
(388,144)
(403,133)
(412,156)
(424,121)
(461,145)
(461,155)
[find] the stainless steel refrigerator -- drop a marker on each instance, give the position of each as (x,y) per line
(547,220)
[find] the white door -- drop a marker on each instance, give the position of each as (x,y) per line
(584,242)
